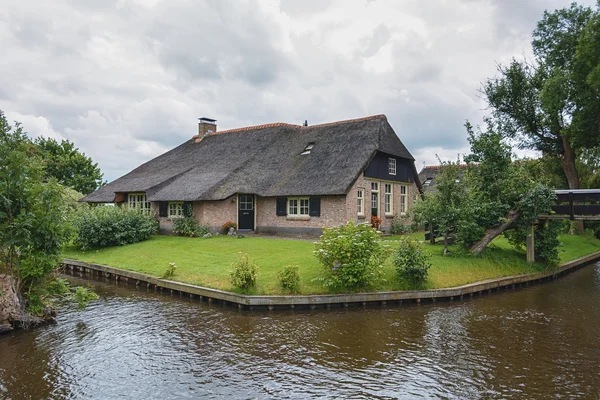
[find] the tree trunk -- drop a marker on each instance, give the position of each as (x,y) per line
(492,233)
(568,165)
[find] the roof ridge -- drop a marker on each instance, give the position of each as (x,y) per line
(198,139)
(345,121)
(440,166)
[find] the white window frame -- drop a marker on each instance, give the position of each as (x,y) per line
(392,166)
(295,207)
(138,201)
(388,199)
(375,190)
(403,199)
(175,209)
(360,202)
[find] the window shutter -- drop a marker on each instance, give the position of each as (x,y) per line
(314,206)
(163,208)
(188,209)
(281,209)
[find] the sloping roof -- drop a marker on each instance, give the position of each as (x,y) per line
(264,160)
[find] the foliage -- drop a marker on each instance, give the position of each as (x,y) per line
(244,273)
(444,208)
(546,242)
(68,165)
(289,279)
(105,226)
(376,222)
(229,224)
(188,226)
(59,289)
(170,270)
(351,254)
(551,104)
(411,261)
(32,219)
(400,225)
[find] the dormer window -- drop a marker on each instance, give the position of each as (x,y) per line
(307,149)
(392,166)
(428,182)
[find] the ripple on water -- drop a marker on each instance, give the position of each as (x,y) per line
(533,343)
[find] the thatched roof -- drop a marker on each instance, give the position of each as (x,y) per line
(265,160)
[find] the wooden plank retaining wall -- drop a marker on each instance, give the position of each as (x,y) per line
(82,269)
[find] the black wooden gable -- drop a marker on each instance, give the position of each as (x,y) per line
(379,168)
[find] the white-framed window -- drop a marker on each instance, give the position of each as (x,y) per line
(388,199)
(175,209)
(392,166)
(298,207)
(403,199)
(246,202)
(360,202)
(138,200)
(374,195)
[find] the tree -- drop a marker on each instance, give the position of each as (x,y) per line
(505,194)
(548,104)
(444,209)
(32,220)
(68,165)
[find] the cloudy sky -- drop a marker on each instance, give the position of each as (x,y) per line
(127,80)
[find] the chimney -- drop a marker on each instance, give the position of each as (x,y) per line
(206,126)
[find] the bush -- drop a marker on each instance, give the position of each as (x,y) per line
(229,224)
(106,226)
(411,261)
(289,278)
(243,273)
(351,254)
(188,226)
(400,226)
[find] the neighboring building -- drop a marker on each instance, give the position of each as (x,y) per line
(429,173)
(276,178)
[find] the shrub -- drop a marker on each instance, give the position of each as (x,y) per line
(351,254)
(400,226)
(411,261)
(229,224)
(106,226)
(289,278)
(376,222)
(243,273)
(170,270)
(188,226)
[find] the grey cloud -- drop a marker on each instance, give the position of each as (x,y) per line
(304,8)
(217,41)
(381,35)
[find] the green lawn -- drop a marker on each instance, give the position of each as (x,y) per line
(206,262)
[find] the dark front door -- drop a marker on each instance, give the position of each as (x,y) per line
(246,212)
(374,204)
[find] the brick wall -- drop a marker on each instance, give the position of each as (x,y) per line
(215,213)
(333,212)
(365,184)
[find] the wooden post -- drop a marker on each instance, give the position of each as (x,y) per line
(530,244)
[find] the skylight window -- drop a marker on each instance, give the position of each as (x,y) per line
(307,149)
(427,182)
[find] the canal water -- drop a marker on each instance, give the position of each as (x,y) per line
(539,342)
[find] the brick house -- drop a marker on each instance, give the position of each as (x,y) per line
(276,178)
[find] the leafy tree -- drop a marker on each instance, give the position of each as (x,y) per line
(33,224)
(551,104)
(505,194)
(68,165)
(445,208)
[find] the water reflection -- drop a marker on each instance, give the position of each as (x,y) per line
(532,343)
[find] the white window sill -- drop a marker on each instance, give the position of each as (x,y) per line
(298,217)
(361,216)
(390,215)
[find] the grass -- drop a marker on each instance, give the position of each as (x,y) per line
(207,262)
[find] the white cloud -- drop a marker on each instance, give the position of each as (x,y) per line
(127,80)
